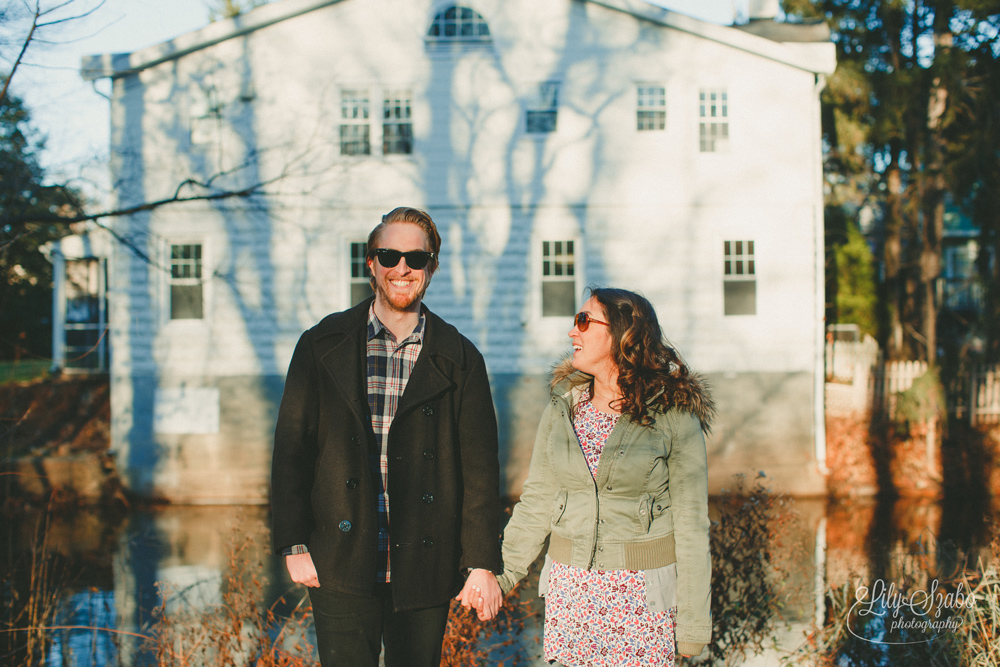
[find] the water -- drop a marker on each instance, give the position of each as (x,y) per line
(113,572)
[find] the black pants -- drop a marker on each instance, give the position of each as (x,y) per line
(350,630)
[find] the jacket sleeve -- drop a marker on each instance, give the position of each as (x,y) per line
(477,432)
(295,449)
(688,471)
(530,523)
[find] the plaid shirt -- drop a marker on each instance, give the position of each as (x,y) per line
(389,366)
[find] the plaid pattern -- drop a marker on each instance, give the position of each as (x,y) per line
(389,366)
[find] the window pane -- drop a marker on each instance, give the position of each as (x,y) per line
(540,122)
(397,138)
(354,140)
(360,292)
(186,302)
(558,298)
(740,297)
(459,24)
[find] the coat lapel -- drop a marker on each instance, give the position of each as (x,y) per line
(343,360)
(428,379)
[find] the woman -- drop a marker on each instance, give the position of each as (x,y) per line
(618,483)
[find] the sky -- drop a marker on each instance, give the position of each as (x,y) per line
(73,114)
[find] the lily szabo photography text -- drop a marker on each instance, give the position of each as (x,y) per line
(905,615)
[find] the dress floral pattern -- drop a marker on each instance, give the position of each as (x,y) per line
(597,618)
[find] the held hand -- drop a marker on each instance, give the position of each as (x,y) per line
(302,570)
(483,593)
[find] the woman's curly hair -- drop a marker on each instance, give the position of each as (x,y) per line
(652,376)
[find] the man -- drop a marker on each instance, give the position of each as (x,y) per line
(385,478)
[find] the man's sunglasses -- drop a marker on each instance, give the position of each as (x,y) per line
(583,320)
(415,259)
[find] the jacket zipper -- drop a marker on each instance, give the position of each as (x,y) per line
(597,500)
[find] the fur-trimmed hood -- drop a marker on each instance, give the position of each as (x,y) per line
(692,395)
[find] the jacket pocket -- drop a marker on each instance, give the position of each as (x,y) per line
(661,504)
(644,513)
(559,507)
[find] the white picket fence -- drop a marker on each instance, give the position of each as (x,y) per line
(858,381)
(980,400)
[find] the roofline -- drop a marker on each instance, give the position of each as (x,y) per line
(729,36)
(115,65)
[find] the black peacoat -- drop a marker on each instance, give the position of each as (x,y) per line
(443,481)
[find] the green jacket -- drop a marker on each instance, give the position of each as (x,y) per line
(646,508)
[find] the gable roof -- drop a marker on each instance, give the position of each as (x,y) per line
(801,52)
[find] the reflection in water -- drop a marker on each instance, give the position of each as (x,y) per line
(115,572)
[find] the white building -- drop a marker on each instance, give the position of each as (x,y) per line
(557,144)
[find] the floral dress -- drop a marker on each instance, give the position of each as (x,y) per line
(597,618)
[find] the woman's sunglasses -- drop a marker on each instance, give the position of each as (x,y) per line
(415,259)
(583,320)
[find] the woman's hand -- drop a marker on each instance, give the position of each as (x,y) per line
(482,592)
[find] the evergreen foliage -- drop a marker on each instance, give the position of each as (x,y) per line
(25,274)
(909,125)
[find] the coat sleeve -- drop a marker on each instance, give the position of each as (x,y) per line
(295,448)
(688,471)
(530,524)
(477,432)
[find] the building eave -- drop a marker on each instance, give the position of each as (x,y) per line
(115,65)
(818,58)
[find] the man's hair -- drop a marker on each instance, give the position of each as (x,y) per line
(413,216)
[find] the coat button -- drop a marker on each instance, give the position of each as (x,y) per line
(356,440)
(352,483)
(428,498)
(345,526)
(429,455)
(428,542)
(428,410)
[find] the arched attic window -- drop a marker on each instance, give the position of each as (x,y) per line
(458,24)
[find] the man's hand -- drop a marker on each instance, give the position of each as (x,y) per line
(483,593)
(301,569)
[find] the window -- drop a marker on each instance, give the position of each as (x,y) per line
(85,323)
(651,107)
(186,297)
(397,128)
(558,279)
(459,24)
(713,114)
(739,278)
(361,287)
(354,128)
(542,109)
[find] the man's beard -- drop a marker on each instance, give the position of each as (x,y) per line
(402,306)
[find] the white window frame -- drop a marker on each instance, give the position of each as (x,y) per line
(651,107)
(713,120)
(739,266)
(353,280)
(355,113)
(478,27)
(397,111)
(551,240)
(543,103)
(168,282)
(366,108)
